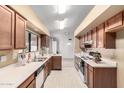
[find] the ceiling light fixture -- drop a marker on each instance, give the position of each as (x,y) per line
(62,24)
(61,9)
(68,43)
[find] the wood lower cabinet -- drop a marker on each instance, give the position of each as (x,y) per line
(6,28)
(20,28)
(50,65)
(29,83)
(90,78)
(32,84)
(101,77)
(56,62)
(47,68)
(45,71)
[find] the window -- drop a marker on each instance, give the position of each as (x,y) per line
(31,42)
(34,42)
(27,41)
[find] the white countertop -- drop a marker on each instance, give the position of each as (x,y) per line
(56,54)
(106,63)
(13,75)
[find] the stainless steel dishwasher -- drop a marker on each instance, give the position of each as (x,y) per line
(39,77)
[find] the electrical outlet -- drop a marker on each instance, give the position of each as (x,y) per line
(3,58)
(0,58)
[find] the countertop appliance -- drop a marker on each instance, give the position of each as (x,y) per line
(39,77)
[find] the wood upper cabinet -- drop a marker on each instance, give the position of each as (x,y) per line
(94,38)
(105,39)
(44,41)
(89,36)
(81,41)
(6,28)
(84,37)
(100,36)
(57,62)
(20,28)
(115,23)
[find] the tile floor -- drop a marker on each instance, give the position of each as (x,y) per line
(67,78)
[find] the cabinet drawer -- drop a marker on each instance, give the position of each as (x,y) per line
(90,68)
(27,81)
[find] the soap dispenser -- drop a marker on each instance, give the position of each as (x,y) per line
(21,59)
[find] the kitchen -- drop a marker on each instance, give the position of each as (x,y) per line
(33,57)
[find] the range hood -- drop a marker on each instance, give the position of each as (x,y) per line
(90,42)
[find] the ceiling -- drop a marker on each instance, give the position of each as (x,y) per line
(74,15)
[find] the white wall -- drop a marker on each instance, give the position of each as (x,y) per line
(67,51)
(120,58)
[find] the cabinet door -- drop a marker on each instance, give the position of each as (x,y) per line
(50,64)
(27,82)
(32,84)
(81,42)
(44,41)
(57,62)
(47,41)
(89,35)
(100,36)
(115,21)
(94,38)
(46,70)
(85,37)
(6,28)
(90,78)
(20,32)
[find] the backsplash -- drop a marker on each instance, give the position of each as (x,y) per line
(106,53)
(11,57)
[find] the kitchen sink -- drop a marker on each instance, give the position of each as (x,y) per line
(87,58)
(40,59)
